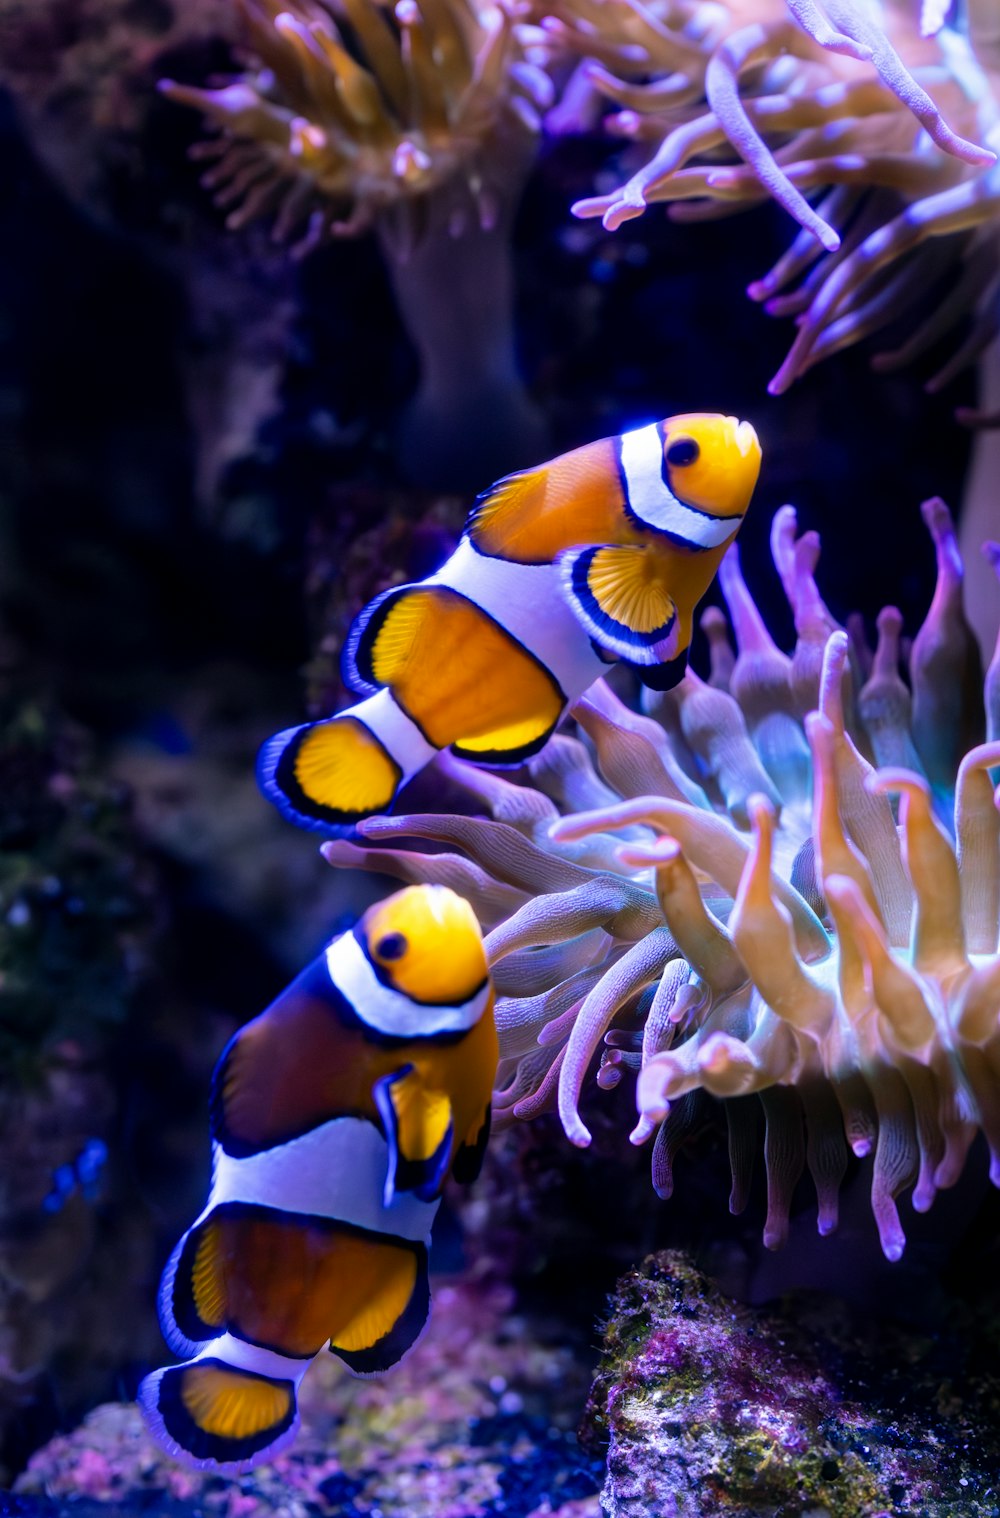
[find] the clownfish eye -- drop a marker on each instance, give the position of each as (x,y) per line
(684,451)
(392,946)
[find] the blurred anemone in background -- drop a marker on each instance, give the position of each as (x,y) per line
(348,112)
(873,128)
(418,123)
(717,898)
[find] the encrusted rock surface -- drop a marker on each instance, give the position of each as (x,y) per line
(477,1423)
(804,1411)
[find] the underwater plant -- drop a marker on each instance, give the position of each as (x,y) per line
(417,123)
(714,897)
(750,102)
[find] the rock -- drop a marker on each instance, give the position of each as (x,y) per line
(807,1409)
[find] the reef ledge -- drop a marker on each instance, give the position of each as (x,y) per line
(806,1408)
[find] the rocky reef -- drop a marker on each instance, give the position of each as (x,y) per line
(78,931)
(805,1408)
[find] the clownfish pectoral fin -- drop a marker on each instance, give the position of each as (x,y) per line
(620,596)
(396,1307)
(419,1130)
(328,774)
(218,1417)
(469,1155)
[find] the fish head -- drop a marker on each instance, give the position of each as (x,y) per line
(425,942)
(711,462)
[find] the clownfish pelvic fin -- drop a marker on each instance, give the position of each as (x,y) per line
(419,1129)
(469,1155)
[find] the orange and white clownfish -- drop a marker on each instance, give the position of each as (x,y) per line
(601,555)
(336,1116)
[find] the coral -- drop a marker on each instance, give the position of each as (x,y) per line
(831,973)
(81,77)
(709,1407)
(80,74)
(835,105)
(478,1421)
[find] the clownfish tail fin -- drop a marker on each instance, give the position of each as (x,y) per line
(217,1416)
(329,775)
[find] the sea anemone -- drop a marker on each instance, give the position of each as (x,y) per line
(716,897)
(351,111)
(831,104)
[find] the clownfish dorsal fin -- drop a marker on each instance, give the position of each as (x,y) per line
(193,1301)
(620,595)
(419,1129)
(504,508)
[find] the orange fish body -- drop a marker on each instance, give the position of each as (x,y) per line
(337,1116)
(601,555)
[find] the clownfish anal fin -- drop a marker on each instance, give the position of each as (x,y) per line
(620,595)
(419,1129)
(396,1308)
(471,1152)
(218,1416)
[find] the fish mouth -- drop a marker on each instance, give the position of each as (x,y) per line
(745,436)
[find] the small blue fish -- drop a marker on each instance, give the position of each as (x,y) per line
(84,1174)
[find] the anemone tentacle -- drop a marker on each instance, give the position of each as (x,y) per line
(875,133)
(768,938)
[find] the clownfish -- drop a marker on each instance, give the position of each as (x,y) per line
(336,1118)
(601,555)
